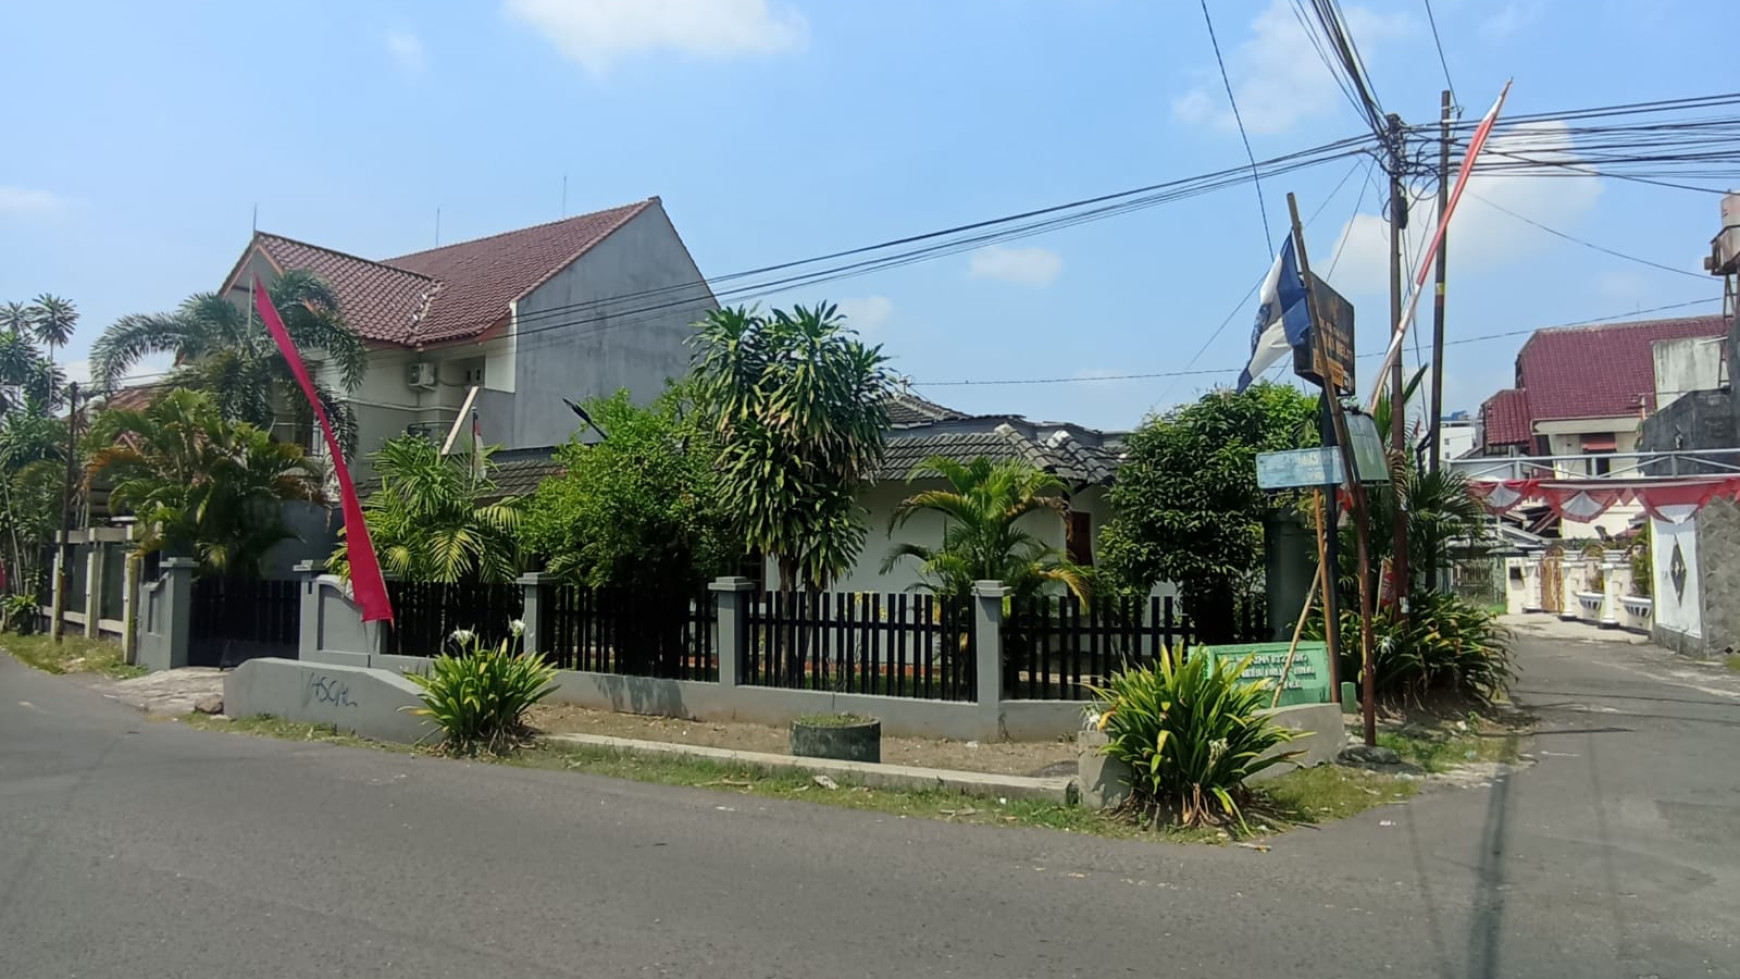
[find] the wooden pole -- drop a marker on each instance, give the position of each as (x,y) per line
(1362,531)
(1398,412)
(1298,627)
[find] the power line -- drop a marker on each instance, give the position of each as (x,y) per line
(1439,43)
(1586,244)
(1228,371)
(1262,205)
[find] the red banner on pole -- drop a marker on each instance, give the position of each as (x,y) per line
(366,582)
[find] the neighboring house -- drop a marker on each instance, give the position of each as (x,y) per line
(1085,459)
(1584,391)
(1458,435)
(572,309)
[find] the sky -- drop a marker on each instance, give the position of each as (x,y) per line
(146,135)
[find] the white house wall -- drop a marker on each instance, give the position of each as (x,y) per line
(1676,610)
(619,317)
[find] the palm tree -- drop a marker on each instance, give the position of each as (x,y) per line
(224,349)
(15,318)
(199,483)
(982,539)
(798,405)
(52,320)
(434,518)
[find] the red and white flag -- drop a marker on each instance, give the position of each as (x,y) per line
(1475,145)
(366,582)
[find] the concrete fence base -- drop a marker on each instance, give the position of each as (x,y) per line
(371,703)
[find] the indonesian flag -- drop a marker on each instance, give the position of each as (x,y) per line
(1675,503)
(1475,145)
(1582,503)
(1502,495)
(366,582)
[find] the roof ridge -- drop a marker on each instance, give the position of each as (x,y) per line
(1599,327)
(340,254)
(636,205)
(630,212)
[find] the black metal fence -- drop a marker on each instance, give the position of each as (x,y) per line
(237,619)
(898,645)
(425,614)
(1056,648)
(630,633)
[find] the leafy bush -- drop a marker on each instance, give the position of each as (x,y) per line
(480,695)
(1193,732)
(1450,648)
(19,614)
(1642,562)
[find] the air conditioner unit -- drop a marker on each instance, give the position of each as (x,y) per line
(420,374)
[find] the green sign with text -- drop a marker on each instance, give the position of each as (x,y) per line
(1307,681)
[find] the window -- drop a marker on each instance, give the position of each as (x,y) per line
(1079,538)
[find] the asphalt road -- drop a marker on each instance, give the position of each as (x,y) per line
(134,848)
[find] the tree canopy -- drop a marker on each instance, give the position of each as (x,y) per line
(640,508)
(798,405)
(1188,509)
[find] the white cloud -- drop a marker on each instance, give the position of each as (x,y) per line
(867,314)
(407,52)
(1277,75)
(1511,20)
(1480,234)
(1026,266)
(597,32)
(28,200)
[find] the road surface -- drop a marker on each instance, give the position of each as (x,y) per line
(136,848)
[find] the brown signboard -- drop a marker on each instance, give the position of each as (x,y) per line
(1332,329)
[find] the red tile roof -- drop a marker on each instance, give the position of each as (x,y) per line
(479,278)
(454,292)
(1504,418)
(379,301)
(1600,371)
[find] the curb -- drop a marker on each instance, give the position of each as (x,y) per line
(1061,790)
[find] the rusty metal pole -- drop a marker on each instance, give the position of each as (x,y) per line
(1437,419)
(1362,531)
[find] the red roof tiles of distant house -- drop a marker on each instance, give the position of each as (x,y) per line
(455,292)
(1504,418)
(1599,371)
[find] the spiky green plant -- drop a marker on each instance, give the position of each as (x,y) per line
(1193,732)
(480,694)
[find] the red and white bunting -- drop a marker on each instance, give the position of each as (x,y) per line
(1677,502)
(1503,495)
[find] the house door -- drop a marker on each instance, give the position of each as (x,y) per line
(1553,580)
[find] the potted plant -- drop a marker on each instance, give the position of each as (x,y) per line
(847,737)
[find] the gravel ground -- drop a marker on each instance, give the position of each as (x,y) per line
(1001,758)
(171,692)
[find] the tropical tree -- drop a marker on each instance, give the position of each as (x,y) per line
(15,318)
(640,509)
(222,348)
(983,539)
(1188,509)
(32,476)
(438,518)
(52,321)
(798,406)
(200,484)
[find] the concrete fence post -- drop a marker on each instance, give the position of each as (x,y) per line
(93,584)
(988,649)
(178,607)
(308,631)
(130,564)
(57,590)
(536,585)
(731,636)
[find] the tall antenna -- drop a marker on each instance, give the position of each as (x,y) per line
(564,195)
(256,227)
(437,227)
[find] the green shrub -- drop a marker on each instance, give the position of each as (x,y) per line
(480,696)
(1450,648)
(19,614)
(1192,732)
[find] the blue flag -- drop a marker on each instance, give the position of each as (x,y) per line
(1283,317)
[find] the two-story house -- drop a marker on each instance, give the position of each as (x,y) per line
(1584,391)
(571,309)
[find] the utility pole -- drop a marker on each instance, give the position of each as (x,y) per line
(66,508)
(1437,419)
(1398,410)
(1361,530)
